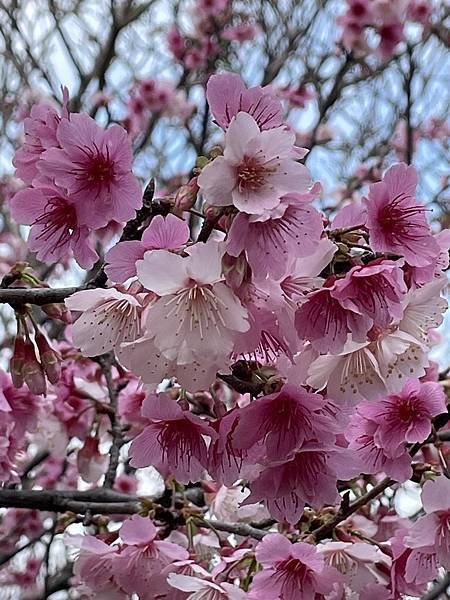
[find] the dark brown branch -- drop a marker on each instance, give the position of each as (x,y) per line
(326,529)
(116,430)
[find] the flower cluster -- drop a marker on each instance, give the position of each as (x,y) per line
(79,179)
(386,18)
(274,362)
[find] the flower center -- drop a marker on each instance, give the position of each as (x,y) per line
(59,218)
(251,174)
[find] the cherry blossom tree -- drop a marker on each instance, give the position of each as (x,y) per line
(224,253)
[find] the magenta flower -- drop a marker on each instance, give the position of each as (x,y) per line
(406,416)
(270,243)
(108,318)
(396,220)
(173,441)
(362,437)
(256,170)
(197,315)
(168,233)
(227,95)
(376,290)
(283,422)
(290,571)
(285,488)
(326,323)
(95,167)
(434,528)
(55,229)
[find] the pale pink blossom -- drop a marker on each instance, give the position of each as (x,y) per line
(290,571)
(197,315)
(369,369)
(227,95)
(203,589)
(256,170)
(94,166)
(412,568)
(396,220)
(91,463)
(145,360)
(40,135)
(168,233)
(433,530)
(55,229)
(95,563)
(354,560)
(138,568)
(108,318)
(173,440)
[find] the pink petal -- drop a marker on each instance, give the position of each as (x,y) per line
(121,260)
(166,232)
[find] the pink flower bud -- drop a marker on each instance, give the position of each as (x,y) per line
(33,373)
(17,362)
(236,270)
(57,311)
(186,196)
(49,358)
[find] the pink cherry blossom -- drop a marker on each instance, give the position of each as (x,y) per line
(396,220)
(323,320)
(227,95)
(434,528)
(109,318)
(362,437)
(168,233)
(142,558)
(96,561)
(376,290)
(55,229)
(411,569)
(202,588)
(173,440)
(95,167)
(406,416)
(282,421)
(256,170)
(354,560)
(145,360)
(369,370)
(269,243)
(290,571)
(197,315)
(286,487)
(40,134)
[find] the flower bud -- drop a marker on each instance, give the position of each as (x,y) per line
(186,196)
(17,362)
(236,270)
(49,358)
(33,373)
(57,311)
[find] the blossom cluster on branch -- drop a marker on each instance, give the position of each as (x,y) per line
(228,404)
